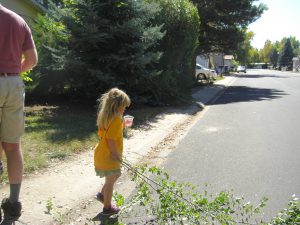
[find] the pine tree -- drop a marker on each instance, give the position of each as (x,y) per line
(113,44)
(286,56)
(223,22)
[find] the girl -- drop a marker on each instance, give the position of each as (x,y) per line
(108,152)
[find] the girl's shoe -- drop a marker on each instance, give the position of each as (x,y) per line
(111,211)
(100,197)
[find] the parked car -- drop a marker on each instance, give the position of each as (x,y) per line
(241,69)
(203,73)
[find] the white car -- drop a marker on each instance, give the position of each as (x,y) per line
(241,69)
(203,73)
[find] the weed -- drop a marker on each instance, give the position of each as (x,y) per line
(49,205)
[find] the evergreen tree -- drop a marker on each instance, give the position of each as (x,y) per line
(223,21)
(113,44)
(286,56)
(146,47)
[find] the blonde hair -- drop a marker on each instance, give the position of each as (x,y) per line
(109,105)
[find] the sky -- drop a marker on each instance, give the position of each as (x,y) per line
(282,19)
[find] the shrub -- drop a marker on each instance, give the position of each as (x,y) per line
(181,24)
(51,38)
(172,202)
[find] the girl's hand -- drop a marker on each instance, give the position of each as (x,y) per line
(128,120)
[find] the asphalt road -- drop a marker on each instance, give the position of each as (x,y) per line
(247,141)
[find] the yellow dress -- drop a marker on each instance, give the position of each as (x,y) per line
(102,153)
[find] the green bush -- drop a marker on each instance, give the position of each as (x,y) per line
(144,47)
(51,38)
(181,24)
(173,202)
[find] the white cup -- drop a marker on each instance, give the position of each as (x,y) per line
(128,120)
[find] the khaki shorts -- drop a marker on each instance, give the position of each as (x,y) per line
(12,95)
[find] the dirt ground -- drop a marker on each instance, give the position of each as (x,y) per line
(163,142)
(64,193)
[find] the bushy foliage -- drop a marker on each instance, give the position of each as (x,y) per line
(51,39)
(286,56)
(273,52)
(243,53)
(181,24)
(173,202)
(144,47)
(288,215)
(223,22)
(113,43)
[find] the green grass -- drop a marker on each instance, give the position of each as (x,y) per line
(53,133)
(219,77)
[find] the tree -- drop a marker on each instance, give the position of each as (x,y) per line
(114,44)
(266,51)
(295,45)
(243,52)
(286,56)
(274,56)
(144,47)
(51,39)
(287,47)
(47,3)
(254,55)
(269,53)
(223,21)
(181,24)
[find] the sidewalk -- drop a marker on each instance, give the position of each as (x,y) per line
(71,185)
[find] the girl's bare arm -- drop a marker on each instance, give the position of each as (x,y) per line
(112,145)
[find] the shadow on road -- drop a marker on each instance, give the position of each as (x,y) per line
(235,94)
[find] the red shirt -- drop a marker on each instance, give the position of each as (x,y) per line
(15,38)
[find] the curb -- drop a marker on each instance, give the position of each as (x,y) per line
(210,94)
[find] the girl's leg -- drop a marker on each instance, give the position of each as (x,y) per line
(1,164)
(100,194)
(108,189)
(103,188)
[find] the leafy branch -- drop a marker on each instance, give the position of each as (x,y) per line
(173,202)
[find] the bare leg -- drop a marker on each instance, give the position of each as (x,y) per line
(102,189)
(11,206)
(1,151)
(108,189)
(1,163)
(14,162)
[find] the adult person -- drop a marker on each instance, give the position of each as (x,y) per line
(17,54)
